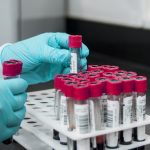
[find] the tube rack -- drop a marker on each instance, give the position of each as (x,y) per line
(40,122)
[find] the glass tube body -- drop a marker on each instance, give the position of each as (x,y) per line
(75,60)
(63,117)
(126,117)
(139,133)
(113,108)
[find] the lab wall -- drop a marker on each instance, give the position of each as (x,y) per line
(38,16)
(9,21)
(122,12)
(20,19)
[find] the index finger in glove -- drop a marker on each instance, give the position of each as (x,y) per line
(16,86)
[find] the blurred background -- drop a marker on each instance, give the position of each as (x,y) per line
(116,32)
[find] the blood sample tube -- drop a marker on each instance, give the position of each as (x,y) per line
(11,69)
(114,89)
(81,108)
(70,111)
(70,103)
(93,67)
(140,88)
(57,87)
(103,101)
(75,44)
(126,110)
(96,120)
(63,110)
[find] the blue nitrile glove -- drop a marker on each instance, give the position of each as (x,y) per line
(12,109)
(43,56)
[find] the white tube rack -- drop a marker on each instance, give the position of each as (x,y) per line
(40,122)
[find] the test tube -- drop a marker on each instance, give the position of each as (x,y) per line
(11,69)
(140,88)
(63,110)
(75,44)
(81,108)
(96,114)
(126,110)
(57,102)
(70,111)
(114,89)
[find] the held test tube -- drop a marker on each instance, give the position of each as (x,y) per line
(11,69)
(75,44)
(126,109)
(114,89)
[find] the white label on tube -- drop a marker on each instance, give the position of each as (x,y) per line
(127,110)
(94,144)
(103,105)
(112,113)
(141,133)
(112,139)
(74,63)
(63,111)
(127,135)
(63,138)
(127,117)
(140,116)
(92,116)
(140,108)
(82,118)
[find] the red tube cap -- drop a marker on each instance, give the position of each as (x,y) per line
(63,81)
(57,81)
(131,74)
(12,68)
(93,67)
(108,75)
(69,88)
(93,76)
(127,85)
(95,89)
(75,41)
(100,72)
(114,87)
(103,81)
(121,72)
(81,92)
(141,84)
(111,68)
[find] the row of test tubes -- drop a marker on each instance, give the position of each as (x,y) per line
(102,97)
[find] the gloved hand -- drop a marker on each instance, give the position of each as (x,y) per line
(43,56)
(12,109)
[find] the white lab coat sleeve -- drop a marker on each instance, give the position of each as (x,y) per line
(1,49)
